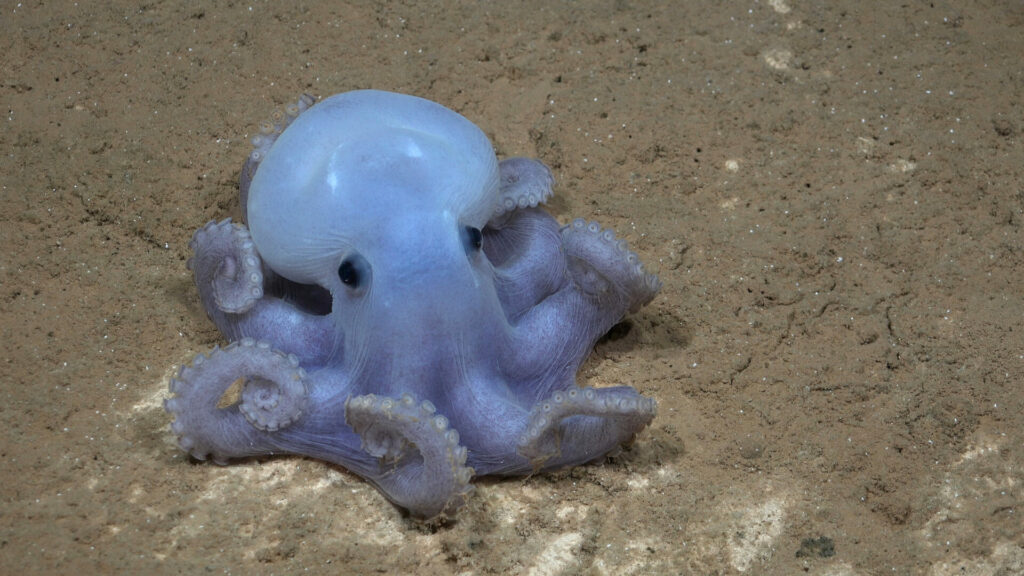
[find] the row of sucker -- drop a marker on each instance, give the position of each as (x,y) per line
(271,129)
(389,427)
(540,442)
(525,183)
(274,396)
(273,404)
(642,284)
(238,278)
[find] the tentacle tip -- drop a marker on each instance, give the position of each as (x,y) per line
(278,400)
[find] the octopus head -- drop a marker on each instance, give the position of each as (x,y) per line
(373,188)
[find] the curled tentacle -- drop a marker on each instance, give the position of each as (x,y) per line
(226,263)
(273,397)
(611,417)
(423,466)
(272,128)
(604,267)
(274,404)
(269,130)
(525,182)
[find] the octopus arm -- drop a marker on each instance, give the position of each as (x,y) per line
(228,273)
(578,425)
(605,281)
(524,183)
(527,257)
(209,425)
(421,463)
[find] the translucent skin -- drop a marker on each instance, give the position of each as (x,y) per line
(401,305)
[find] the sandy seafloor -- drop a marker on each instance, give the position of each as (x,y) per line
(832,193)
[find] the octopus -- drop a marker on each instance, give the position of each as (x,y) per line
(399,303)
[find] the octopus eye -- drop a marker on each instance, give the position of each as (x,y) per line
(473,237)
(354,271)
(347,273)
